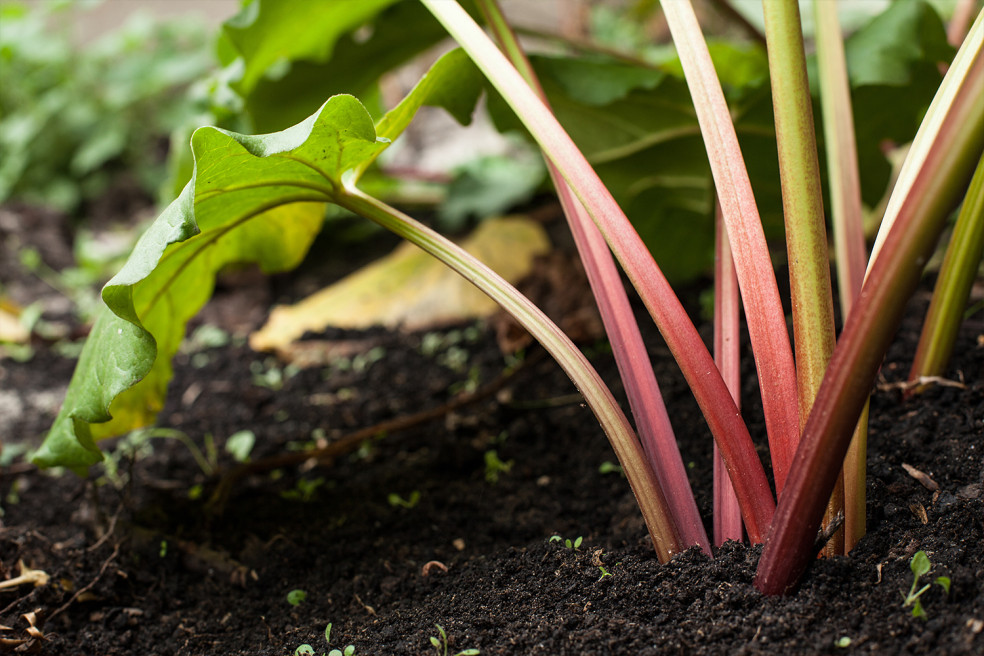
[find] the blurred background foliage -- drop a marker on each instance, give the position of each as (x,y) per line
(73,118)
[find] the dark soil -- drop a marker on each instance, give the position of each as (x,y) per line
(139,566)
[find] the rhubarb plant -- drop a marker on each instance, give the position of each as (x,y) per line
(261,199)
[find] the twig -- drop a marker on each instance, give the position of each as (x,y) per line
(827,532)
(109,531)
(89,586)
(906,385)
(199,558)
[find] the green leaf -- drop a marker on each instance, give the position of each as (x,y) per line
(312,63)
(920,564)
(252,199)
(399,33)
(296,597)
(489,186)
(636,125)
(892,64)
(269,35)
(240,444)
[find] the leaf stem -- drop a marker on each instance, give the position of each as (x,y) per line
(636,260)
(806,236)
(953,285)
(847,219)
(727,356)
(631,357)
(641,478)
(946,148)
(759,291)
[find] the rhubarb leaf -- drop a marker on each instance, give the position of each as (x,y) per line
(269,35)
(251,200)
(893,68)
(636,125)
(360,53)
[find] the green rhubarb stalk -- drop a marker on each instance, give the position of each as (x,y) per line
(631,357)
(759,291)
(947,146)
(806,235)
(847,219)
(681,337)
(956,278)
(727,356)
(641,478)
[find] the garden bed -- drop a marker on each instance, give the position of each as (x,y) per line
(137,566)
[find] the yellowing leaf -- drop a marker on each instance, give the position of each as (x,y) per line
(11,328)
(409,288)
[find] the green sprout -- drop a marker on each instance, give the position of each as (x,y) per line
(304,489)
(920,566)
(609,467)
(567,542)
(308,650)
(441,644)
(494,466)
(347,651)
(397,501)
(296,597)
(240,444)
(268,374)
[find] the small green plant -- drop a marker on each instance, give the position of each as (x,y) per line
(604,572)
(441,644)
(268,374)
(308,650)
(296,597)
(920,566)
(494,466)
(609,467)
(397,501)
(304,489)
(240,444)
(567,542)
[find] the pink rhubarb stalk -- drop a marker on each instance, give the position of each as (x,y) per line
(642,480)
(946,149)
(847,220)
(727,356)
(631,357)
(681,337)
(756,279)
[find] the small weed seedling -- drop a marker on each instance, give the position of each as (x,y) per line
(920,566)
(567,542)
(304,489)
(609,467)
(308,650)
(397,501)
(296,597)
(494,466)
(441,644)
